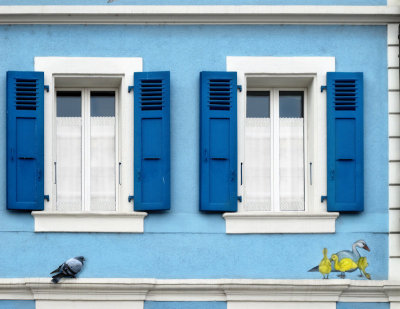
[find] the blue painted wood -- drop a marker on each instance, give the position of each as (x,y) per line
(152,141)
(345,162)
(218,141)
(25,140)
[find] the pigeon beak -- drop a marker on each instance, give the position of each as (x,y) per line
(366,247)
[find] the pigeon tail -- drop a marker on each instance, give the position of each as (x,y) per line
(57,278)
(316,268)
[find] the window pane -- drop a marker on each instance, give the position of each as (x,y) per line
(291,150)
(102,104)
(68,167)
(102,150)
(258,105)
(257,176)
(69,104)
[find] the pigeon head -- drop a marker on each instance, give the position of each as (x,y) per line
(362,244)
(80,258)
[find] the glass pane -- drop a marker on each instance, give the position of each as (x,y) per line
(291,150)
(68,168)
(258,104)
(69,104)
(257,176)
(102,150)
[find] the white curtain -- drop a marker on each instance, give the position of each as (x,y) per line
(102,163)
(291,163)
(69,163)
(257,176)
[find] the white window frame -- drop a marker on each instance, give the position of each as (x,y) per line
(288,72)
(85,147)
(90,72)
(274,116)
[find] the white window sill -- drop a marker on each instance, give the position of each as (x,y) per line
(102,222)
(261,222)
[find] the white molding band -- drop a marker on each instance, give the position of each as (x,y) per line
(102,222)
(231,290)
(261,222)
(198,14)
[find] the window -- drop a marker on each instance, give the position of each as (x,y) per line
(281,145)
(274,150)
(88,144)
(85,163)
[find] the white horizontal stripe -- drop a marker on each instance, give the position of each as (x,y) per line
(198,14)
(231,290)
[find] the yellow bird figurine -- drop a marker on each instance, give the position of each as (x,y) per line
(362,265)
(325,266)
(343,265)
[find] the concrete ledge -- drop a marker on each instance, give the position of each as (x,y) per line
(231,290)
(261,222)
(198,14)
(102,222)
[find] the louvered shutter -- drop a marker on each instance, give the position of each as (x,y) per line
(152,141)
(218,141)
(345,163)
(25,140)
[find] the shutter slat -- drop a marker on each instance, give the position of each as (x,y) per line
(345,161)
(152,141)
(25,140)
(218,141)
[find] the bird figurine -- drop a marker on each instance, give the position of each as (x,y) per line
(353,254)
(343,265)
(362,265)
(325,265)
(69,268)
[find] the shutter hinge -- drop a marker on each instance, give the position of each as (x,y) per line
(324,197)
(47,198)
(239,198)
(323,88)
(130,88)
(47,88)
(239,87)
(130,198)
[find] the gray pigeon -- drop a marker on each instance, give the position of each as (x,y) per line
(70,269)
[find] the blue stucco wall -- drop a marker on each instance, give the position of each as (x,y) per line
(184,243)
(17,304)
(184,305)
(194,2)
(362,306)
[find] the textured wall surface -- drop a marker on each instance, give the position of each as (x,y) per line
(184,243)
(17,304)
(362,306)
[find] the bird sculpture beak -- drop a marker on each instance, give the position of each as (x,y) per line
(366,247)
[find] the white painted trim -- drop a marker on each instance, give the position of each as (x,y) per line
(310,71)
(231,290)
(95,304)
(93,70)
(394,154)
(198,14)
(104,222)
(255,222)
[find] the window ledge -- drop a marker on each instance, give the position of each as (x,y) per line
(102,222)
(261,222)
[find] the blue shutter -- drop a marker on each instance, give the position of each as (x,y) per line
(25,140)
(345,162)
(218,141)
(152,141)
